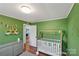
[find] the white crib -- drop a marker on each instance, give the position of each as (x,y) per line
(50,46)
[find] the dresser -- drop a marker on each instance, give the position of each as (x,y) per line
(11,49)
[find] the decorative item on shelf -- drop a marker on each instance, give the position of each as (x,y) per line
(11,30)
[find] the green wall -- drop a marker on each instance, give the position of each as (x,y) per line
(70,26)
(73,31)
(60,24)
(10,21)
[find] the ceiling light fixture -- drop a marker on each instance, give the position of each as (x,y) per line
(25,9)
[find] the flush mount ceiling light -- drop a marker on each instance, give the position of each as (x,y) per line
(26,9)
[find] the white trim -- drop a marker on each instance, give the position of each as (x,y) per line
(24,33)
(49,19)
(70,9)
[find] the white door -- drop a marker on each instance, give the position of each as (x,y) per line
(25,27)
(32,34)
(33,38)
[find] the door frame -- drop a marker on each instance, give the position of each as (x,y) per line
(24,36)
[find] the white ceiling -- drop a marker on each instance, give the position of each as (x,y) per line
(42,11)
